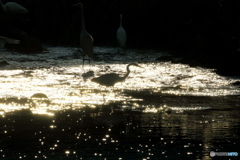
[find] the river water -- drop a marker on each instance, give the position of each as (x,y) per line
(50,109)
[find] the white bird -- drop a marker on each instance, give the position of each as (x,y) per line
(13,7)
(86,40)
(112,78)
(4,40)
(121,35)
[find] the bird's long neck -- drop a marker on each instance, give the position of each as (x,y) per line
(83,21)
(3,6)
(128,71)
(120,20)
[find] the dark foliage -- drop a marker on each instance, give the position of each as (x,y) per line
(203,30)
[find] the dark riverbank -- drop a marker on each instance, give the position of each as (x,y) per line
(204,32)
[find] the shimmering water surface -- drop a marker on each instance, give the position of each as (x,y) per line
(49,108)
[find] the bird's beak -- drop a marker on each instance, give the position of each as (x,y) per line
(141,67)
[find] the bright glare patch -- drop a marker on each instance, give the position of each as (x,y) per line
(151,110)
(52,126)
(45,112)
(67,86)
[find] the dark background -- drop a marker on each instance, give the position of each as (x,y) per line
(202,31)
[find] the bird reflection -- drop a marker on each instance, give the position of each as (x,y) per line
(39,100)
(112,78)
(13,7)
(86,40)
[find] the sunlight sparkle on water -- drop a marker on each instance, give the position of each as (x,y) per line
(64,85)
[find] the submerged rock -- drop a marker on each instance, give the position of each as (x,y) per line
(237,83)
(165,58)
(194,63)
(169,59)
(3,63)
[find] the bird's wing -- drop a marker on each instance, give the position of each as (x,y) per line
(4,40)
(110,75)
(121,36)
(107,79)
(10,40)
(121,32)
(86,43)
(16,8)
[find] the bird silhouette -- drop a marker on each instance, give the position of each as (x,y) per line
(121,35)
(112,78)
(13,7)
(4,40)
(87,75)
(86,40)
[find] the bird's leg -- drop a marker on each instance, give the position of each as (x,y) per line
(83,62)
(86,59)
(83,58)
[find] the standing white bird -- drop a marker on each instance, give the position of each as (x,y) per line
(112,78)
(86,40)
(13,7)
(4,40)
(121,35)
